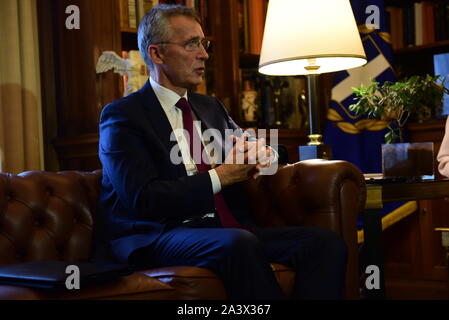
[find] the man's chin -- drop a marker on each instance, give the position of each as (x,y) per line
(194,85)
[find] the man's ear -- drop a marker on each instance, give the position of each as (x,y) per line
(155,54)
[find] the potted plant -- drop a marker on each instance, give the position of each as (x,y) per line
(397,102)
(418,97)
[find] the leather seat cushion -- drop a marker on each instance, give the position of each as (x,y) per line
(192,282)
(135,286)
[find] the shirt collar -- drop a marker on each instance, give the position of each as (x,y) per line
(167,98)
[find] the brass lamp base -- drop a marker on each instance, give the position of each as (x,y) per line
(315,140)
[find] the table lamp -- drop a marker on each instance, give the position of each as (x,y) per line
(310,37)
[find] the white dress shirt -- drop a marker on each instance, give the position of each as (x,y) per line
(168,100)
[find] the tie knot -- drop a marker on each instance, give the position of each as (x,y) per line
(184,105)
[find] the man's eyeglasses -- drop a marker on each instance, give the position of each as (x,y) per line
(191,45)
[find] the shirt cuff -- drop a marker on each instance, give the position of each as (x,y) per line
(274,156)
(216,184)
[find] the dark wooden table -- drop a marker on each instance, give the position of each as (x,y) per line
(383,191)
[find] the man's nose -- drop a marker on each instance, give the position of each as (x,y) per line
(202,53)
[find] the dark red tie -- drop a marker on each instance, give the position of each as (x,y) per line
(225,215)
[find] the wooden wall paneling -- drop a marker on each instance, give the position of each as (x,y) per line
(107,37)
(76,85)
(402,248)
(420,266)
(435,214)
(47,58)
(79,51)
(224,28)
(79,152)
(80,93)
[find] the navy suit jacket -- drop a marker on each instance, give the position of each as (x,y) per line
(142,191)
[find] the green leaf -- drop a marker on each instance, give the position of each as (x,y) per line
(414,96)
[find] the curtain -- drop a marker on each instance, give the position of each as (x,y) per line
(20,93)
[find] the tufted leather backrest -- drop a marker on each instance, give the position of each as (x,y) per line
(47,215)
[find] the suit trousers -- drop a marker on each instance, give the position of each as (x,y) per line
(242,258)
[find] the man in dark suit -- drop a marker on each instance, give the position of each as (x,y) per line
(159,211)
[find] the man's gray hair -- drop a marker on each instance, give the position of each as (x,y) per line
(155,27)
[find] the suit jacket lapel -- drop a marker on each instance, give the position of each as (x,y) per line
(159,120)
(202,112)
(205,113)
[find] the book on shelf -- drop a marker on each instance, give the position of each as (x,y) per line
(256,19)
(441,13)
(132,11)
(418,23)
(409,25)
(124,20)
(132,14)
(396,17)
(245,26)
(143,6)
(201,8)
(428,23)
(251,22)
(241,25)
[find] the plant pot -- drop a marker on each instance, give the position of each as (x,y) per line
(408,159)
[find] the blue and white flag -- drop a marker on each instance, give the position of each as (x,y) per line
(354,138)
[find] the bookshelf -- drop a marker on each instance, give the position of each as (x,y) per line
(415,266)
(419,29)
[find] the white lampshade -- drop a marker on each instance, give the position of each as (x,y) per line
(310,37)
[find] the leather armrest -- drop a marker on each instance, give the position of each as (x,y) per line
(326,193)
(304,192)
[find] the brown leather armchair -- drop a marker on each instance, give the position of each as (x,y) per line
(50,216)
